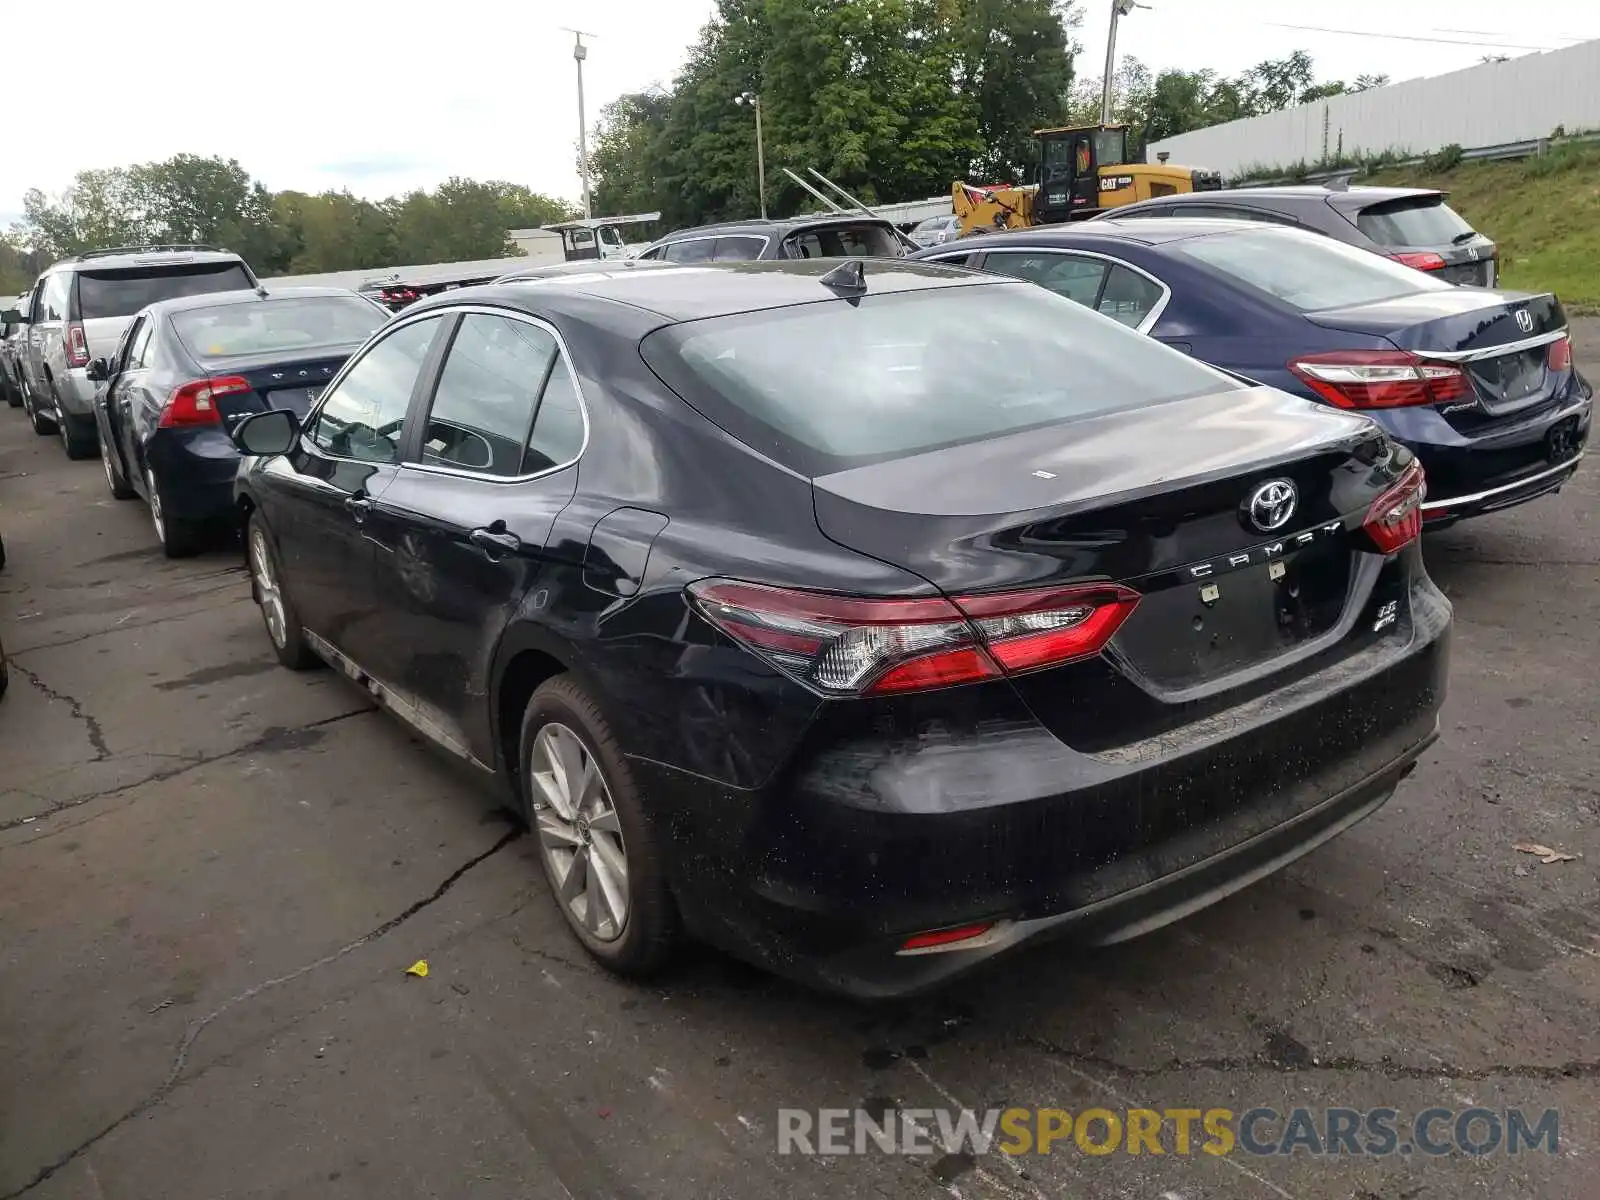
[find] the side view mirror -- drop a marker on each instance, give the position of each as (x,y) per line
(98,371)
(12,316)
(267,433)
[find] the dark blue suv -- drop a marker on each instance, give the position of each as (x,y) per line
(1479,383)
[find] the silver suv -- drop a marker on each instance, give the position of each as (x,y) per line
(78,311)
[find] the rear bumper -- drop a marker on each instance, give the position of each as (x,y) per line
(196,470)
(823,875)
(1438,513)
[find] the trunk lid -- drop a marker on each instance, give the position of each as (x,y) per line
(1225,594)
(1500,339)
(276,382)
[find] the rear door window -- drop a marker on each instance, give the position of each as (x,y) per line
(122,293)
(1307,271)
(845,240)
(53,298)
(694,250)
(739,249)
(1078,279)
(1413,221)
(909,372)
(1128,297)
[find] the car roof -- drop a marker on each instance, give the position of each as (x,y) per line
(692,291)
(135,257)
(242,296)
(763,228)
(1147,231)
(1357,196)
(582,266)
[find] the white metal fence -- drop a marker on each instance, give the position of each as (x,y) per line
(1489,105)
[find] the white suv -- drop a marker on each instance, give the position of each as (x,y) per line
(79,309)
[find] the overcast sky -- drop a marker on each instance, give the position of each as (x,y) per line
(382,98)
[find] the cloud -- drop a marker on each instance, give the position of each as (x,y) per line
(379,164)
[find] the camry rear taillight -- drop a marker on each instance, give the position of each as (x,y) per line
(854,646)
(1422,260)
(196,403)
(1560,358)
(1395,518)
(1380,378)
(77,346)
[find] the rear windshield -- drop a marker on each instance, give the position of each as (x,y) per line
(123,293)
(1423,221)
(827,386)
(261,327)
(1307,271)
(844,241)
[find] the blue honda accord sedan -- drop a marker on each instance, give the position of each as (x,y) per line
(1479,383)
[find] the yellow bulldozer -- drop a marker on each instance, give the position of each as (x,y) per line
(1083,170)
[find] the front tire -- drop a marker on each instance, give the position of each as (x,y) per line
(74,440)
(277,610)
(600,849)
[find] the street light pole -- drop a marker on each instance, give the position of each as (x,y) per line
(579,53)
(1119,9)
(754,101)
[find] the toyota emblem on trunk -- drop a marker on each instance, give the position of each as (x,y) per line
(1271,505)
(1524,320)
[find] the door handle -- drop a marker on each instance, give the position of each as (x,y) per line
(359,506)
(495,539)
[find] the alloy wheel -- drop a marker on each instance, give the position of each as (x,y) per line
(580,836)
(155,503)
(269,594)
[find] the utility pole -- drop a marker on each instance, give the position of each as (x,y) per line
(754,101)
(1119,9)
(579,53)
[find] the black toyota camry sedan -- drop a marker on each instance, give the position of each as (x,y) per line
(865,619)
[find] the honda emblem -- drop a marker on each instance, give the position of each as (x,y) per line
(1524,320)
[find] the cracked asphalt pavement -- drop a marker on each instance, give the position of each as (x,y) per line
(213,874)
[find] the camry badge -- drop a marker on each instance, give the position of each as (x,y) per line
(1524,320)
(1271,506)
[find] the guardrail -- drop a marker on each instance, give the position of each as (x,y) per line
(1506,152)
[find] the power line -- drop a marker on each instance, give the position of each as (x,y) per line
(1406,37)
(1560,37)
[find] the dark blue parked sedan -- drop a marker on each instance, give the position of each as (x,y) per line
(187,370)
(1480,383)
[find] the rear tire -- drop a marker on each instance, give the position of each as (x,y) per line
(42,425)
(278,613)
(13,394)
(78,443)
(584,808)
(179,538)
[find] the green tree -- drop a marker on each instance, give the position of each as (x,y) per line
(99,209)
(1015,59)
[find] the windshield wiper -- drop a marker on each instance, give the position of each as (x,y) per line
(1463,237)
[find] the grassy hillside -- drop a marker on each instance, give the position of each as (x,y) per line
(1543,212)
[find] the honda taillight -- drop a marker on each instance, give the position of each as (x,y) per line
(852,646)
(196,403)
(1380,378)
(1422,260)
(1561,354)
(77,346)
(1395,518)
